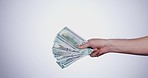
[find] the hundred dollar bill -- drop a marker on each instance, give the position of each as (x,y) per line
(59,52)
(66,57)
(70,37)
(60,44)
(73,40)
(61,55)
(65,48)
(66,63)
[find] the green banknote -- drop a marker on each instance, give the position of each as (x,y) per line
(65,48)
(73,40)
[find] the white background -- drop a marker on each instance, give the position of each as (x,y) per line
(28,28)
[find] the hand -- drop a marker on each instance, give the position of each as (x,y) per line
(100,46)
(137,46)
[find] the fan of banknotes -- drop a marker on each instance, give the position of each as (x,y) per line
(65,48)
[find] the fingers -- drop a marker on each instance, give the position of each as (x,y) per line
(95,53)
(98,52)
(84,45)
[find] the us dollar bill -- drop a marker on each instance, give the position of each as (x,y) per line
(65,48)
(60,44)
(70,37)
(66,63)
(73,40)
(60,53)
(66,57)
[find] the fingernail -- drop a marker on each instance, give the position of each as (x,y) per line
(79,46)
(92,55)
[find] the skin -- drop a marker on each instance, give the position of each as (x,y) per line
(137,46)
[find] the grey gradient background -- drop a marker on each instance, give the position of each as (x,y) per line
(28,28)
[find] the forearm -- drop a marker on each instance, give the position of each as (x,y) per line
(129,46)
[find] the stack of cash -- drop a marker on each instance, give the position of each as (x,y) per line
(65,48)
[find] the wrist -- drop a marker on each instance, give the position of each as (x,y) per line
(117,45)
(120,45)
(110,44)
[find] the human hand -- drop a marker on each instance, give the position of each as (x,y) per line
(100,46)
(137,46)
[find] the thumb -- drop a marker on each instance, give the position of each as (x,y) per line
(86,45)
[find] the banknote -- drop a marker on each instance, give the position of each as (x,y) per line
(66,57)
(66,63)
(73,40)
(70,37)
(60,44)
(64,53)
(65,48)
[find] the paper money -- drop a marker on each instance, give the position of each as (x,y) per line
(60,44)
(65,48)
